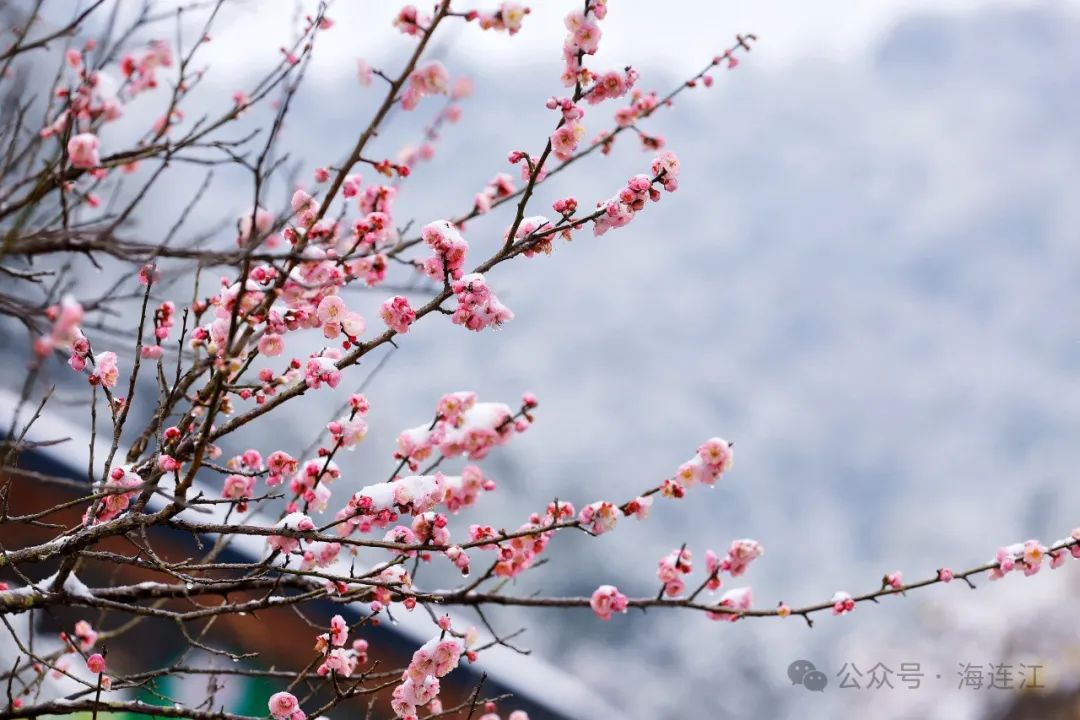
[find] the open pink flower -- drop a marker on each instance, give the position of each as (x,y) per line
(106,371)
(283,705)
(83,150)
(607,600)
(86,635)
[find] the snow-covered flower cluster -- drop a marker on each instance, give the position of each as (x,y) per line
(471,428)
(420,682)
(295,521)
(397,314)
(606,601)
(478,307)
(1028,556)
(449,248)
(733,602)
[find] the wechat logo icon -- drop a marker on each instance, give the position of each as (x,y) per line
(803,672)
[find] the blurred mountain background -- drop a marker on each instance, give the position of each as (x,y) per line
(868,279)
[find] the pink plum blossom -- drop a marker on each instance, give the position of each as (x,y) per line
(83,150)
(607,600)
(283,705)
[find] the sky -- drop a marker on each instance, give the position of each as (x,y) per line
(636,30)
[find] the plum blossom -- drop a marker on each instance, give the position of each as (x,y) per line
(565,140)
(620,210)
(348,432)
(420,682)
(271,345)
(322,369)
(410,21)
(606,600)
(293,521)
(499,187)
(639,507)
(95,663)
(65,334)
(240,488)
(281,465)
(842,603)
(338,661)
(714,457)
(120,478)
(666,167)
(83,150)
(734,601)
(507,18)
(86,635)
(429,79)
(463,490)
(583,38)
(331,309)
(478,307)
(106,371)
(397,314)
(672,567)
(364,74)
(319,555)
(449,249)
(282,705)
(599,517)
(612,85)
(740,555)
(1026,556)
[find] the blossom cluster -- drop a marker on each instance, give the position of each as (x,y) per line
(499,187)
(420,681)
(478,307)
(1028,556)
(164,319)
(672,567)
(410,21)
(612,85)
(431,79)
(606,600)
(140,69)
(66,317)
(582,38)
(338,659)
(463,426)
(397,314)
(120,488)
(620,210)
(519,552)
(449,249)
(508,17)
